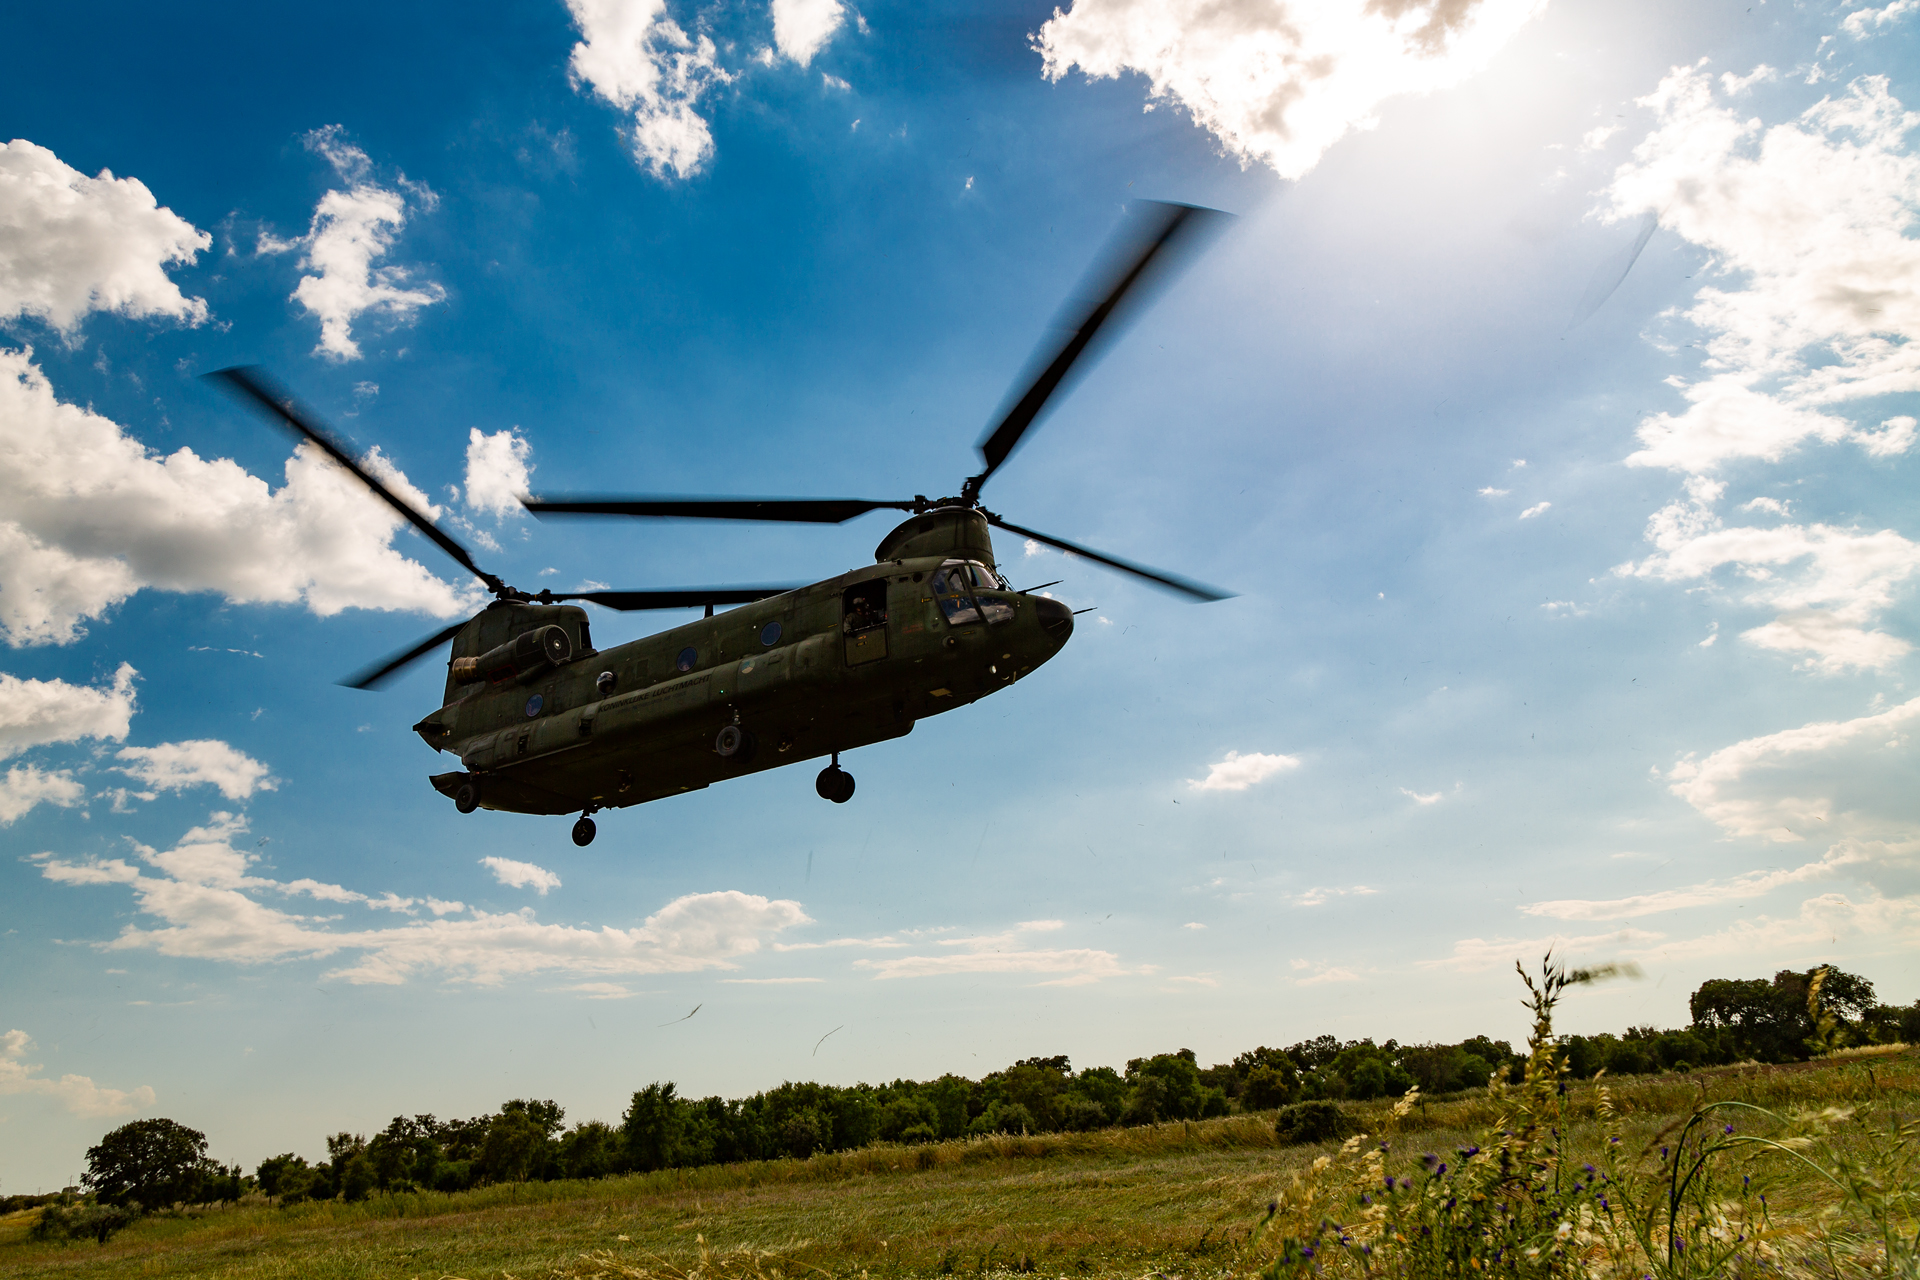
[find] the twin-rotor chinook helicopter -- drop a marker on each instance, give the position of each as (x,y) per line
(542,722)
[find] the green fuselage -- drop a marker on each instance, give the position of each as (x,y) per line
(828,667)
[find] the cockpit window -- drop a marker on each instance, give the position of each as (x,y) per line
(953,588)
(985,578)
(956,587)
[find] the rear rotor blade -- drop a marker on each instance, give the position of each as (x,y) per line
(375,676)
(1125,268)
(797,510)
(1167,581)
(674,597)
(255,385)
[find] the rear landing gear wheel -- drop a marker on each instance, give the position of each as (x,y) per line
(583,832)
(467,798)
(834,783)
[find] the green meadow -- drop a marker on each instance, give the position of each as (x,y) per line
(1181,1199)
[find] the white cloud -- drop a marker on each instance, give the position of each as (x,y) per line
(1280,82)
(497,471)
(1751,884)
(206,904)
(350,230)
(88,516)
(36,712)
(1007,952)
(24,786)
(1327,975)
(1815,308)
(1829,583)
(70,244)
(175,766)
(1856,23)
(801,27)
(1193,924)
(1423,798)
(1319,894)
(521,875)
(1808,222)
(1539,508)
(1856,779)
(1596,138)
(636,57)
(1477,955)
(78,1094)
(1491,492)
(1238,772)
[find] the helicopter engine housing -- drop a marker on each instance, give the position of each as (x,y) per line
(521,658)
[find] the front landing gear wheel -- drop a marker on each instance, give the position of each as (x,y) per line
(835,784)
(467,798)
(583,832)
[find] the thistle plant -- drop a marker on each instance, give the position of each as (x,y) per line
(1690,1203)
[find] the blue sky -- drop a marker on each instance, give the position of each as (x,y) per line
(1591,635)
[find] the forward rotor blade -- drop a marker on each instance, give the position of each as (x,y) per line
(675,597)
(254,384)
(376,675)
(1127,266)
(1183,586)
(797,510)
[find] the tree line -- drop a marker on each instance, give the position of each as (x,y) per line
(158,1162)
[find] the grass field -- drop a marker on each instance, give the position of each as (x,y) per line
(1178,1199)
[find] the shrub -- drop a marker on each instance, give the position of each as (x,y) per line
(1319,1121)
(80,1222)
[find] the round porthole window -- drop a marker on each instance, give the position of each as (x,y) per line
(770,634)
(688,657)
(534,704)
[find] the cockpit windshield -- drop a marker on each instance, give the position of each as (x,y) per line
(957,586)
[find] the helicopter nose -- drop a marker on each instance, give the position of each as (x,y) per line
(1055,618)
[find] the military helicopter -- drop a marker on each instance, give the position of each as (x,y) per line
(544,723)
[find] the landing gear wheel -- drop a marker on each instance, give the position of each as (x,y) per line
(467,798)
(734,743)
(835,784)
(583,832)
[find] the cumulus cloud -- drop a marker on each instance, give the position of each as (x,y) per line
(801,27)
(1237,772)
(350,231)
(70,244)
(34,713)
(1828,583)
(88,516)
(175,766)
(24,786)
(1319,894)
(1842,778)
(634,56)
(1008,952)
(1279,82)
(78,1094)
(1814,308)
(201,899)
(521,875)
(497,472)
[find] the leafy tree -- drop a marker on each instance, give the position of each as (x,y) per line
(1269,1086)
(149,1163)
(515,1149)
(590,1150)
(1770,1020)
(651,1127)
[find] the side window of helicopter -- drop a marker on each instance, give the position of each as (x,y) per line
(995,610)
(864,607)
(953,588)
